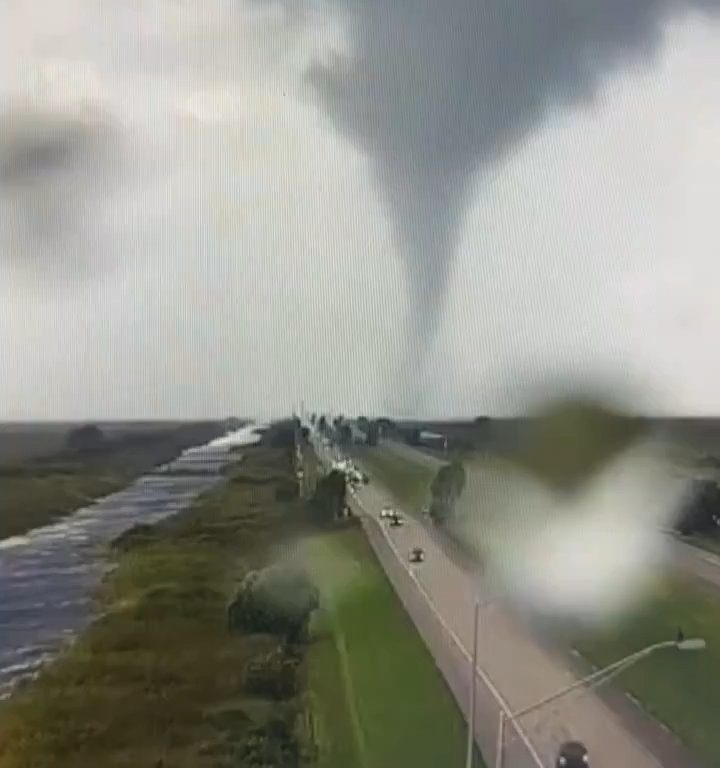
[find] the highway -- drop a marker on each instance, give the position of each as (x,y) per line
(513,670)
(684,557)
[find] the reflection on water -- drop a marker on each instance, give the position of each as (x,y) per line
(48,576)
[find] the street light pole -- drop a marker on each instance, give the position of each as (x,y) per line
(693,644)
(473,690)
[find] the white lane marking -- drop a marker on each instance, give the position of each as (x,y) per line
(479,671)
(710,559)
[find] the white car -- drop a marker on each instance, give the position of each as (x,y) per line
(386,512)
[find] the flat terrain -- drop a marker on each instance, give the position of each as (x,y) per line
(159,680)
(407,480)
(678,689)
(401,713)
(41,480)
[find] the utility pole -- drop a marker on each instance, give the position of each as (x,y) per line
(473,688)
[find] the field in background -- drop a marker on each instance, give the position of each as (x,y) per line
(408,481)
(679,689)
(20,441)
(41,480)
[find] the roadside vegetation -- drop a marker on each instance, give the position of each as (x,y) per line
(374,683)
(211,651)
(161,679)
(677,688)
(41,489)
(409,481)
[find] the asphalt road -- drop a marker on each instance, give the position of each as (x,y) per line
(513,670)
(685,557)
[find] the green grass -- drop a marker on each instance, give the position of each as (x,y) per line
(409,481)
(29,501)
(397,709)
(159,677)
(678,688)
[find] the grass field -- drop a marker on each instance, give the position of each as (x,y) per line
(374,683)
(41,481)
(407,480)
(678,688)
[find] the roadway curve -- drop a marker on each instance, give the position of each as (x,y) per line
(513,670)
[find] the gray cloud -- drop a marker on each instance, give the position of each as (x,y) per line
(437,92)
(51,161)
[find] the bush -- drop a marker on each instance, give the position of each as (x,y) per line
(278,600)
(271,746)
(446,487)
(273,675)
(701,513)
(139,535)
(87,438)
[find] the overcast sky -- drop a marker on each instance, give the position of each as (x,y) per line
(220,207)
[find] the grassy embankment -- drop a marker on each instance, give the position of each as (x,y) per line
(39,490)
(159,681)
(397,709)
(679,689)
(407,480)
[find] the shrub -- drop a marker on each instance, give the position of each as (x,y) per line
(278,600)
(273,675)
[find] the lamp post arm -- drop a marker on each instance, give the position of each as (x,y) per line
(627,661)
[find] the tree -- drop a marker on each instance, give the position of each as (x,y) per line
(413,436)
(329,497)
(85,439)
(322,425)
(373,433)
(446,488)
(701,512)
(345,434)
(363,424)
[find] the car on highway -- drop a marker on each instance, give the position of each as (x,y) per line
(417,555)
(396,520)
(386,512)
(572,754)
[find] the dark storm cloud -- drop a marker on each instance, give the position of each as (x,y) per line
(53,167)
(436,91)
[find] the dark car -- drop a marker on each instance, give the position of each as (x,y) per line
(396,520)
(417,555)
(572,754)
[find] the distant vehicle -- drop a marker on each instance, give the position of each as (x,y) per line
(386,512)
(395,520)
(417,555)
(572,754)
